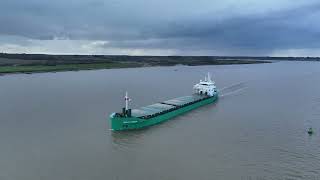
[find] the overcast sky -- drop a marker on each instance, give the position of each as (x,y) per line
(161,27)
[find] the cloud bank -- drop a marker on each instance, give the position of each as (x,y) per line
(152,27)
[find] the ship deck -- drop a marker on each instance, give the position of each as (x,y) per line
(166,106)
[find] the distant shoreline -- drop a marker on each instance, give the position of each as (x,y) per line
(40,63)
(30,69)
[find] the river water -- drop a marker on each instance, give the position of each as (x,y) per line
(54,126)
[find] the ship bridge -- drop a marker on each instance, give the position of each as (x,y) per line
(206,87)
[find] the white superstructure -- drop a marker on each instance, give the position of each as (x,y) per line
(206,87)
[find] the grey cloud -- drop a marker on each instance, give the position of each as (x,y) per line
(178,25)
(264,33)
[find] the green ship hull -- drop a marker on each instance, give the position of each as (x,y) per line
(131,122)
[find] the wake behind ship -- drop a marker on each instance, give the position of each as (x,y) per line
(205,92)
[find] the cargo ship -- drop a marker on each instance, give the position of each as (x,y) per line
(205,92)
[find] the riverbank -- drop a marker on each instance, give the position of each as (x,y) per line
(111,65)
(36,63)
(61,67)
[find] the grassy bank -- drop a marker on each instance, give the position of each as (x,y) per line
(34,63)
(62,67)
(113,65)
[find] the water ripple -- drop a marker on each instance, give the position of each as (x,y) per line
(232,89)
(127,139)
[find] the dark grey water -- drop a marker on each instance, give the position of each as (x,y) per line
(53,126)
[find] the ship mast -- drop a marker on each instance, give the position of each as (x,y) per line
(209,77)
(127,99)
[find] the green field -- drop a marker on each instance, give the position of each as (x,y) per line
(34,63)
(63,67)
